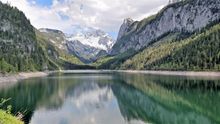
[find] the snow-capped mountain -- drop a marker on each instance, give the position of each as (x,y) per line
(87,43)
(94,38)
(86,53)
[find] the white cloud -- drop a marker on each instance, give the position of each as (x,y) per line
(104,14)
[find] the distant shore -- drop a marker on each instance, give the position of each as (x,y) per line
(176,73)
(20,76)
(171,73)
(26,75)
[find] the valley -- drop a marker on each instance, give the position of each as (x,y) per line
(154,43)
(78,61)
(149,44)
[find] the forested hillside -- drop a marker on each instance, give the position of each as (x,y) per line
(199,52)
(56,54)
(24,48)
(182,36)
(192,46)
(113,62)
(19,49)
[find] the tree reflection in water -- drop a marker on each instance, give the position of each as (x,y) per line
(116,98)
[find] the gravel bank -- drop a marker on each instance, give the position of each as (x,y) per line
(21,76)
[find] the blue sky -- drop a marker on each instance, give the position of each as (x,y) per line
(43,2)
(107,15)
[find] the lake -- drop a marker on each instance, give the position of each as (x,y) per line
(115,98)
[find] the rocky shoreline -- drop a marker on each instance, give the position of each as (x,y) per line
(21,76)
(26,75)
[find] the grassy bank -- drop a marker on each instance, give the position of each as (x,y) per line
(8,119)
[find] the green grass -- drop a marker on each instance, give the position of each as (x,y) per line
(112,62)
(8,119)
(102,60)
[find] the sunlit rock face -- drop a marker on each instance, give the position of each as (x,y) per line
(180,17)
(125,27)
(56,37)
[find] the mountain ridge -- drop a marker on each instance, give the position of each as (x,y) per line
(23,48)
(151,43)
(20,50)
(86,44)
(128,53)
(185,16)
(198,52)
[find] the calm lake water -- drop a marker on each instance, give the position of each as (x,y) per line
(115,98)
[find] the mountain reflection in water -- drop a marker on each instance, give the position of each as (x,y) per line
(115,98)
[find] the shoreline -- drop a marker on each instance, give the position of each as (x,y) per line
(26,75)
(176,73)
(168,73)
(21,76)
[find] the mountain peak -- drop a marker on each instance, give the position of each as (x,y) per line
(93,37)
(125,27)
(87,43)
(128,20)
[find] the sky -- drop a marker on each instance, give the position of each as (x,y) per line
(68,15)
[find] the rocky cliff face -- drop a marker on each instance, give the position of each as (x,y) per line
(186,16)
(56,37)
(125,27)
